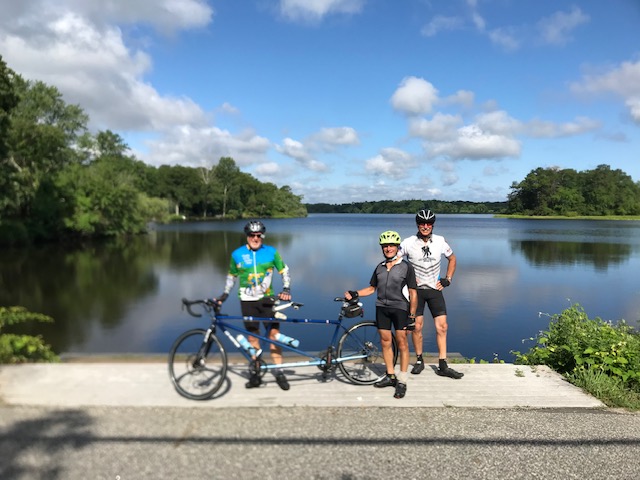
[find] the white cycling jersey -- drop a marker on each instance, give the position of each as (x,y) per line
(425,257)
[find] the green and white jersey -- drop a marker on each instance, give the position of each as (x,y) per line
(254,271)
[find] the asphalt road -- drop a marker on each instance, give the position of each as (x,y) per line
(122,443)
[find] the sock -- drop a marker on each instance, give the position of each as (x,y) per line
(402,377)
(391,375)
(442,363)
(419,358)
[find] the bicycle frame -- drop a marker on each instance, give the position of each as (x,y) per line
(221,322)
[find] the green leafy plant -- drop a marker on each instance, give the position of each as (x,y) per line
(574,343)
(23,348)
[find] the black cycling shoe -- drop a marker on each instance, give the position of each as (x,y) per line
(401,390)
(254,382)
(417,367)
(386,381)
(282,382)
(449,372)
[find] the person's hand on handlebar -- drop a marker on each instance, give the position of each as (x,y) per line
(285,294)
(222,298)
(351,295)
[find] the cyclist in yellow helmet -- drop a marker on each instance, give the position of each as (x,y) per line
(396,305)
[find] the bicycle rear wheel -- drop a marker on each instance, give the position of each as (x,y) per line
(197,368)
(363,339)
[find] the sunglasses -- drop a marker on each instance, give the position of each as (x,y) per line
(255,235)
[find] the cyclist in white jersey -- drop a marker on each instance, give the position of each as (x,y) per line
(424,251)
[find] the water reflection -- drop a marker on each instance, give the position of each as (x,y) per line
(549,253)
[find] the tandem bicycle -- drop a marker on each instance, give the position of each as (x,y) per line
(198,360)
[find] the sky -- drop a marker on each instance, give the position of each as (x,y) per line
(348,100)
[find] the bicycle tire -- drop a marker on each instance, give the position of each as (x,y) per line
(361,338)
(197,381)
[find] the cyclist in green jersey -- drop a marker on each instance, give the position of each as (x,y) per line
(253,265)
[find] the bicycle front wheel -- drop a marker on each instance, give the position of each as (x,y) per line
(197,367)
(362,342)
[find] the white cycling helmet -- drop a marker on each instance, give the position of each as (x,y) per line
(425,216)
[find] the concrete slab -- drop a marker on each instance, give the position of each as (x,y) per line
(148,384)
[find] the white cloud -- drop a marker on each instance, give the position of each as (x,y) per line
(473,143)
(91,65)
(269,169)
(634,108)
(441,127)
(414,96)
(623,81)
(189,146)
(316,10)
(297,150)
(464,98)
(505,38)
(440,23)
(557,29)
(546,129)
(498,122)
(390,162)
(336,136)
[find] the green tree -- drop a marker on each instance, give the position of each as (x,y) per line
(227,173)
(40,142)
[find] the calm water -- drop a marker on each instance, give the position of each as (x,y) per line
(124,297)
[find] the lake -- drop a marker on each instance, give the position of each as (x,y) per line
(123,296)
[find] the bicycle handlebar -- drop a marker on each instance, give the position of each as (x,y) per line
(213,304)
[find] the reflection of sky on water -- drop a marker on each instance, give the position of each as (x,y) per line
(508,272)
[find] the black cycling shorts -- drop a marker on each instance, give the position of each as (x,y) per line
(386,316)
(434,299)
(259,308)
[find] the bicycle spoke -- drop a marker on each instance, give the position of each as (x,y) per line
(196,376)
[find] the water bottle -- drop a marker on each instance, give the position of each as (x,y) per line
(244,343)
(287,340)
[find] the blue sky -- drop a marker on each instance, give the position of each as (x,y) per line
(349,100)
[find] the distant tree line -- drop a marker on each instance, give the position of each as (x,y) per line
(58,181)
(408,206)
(555,191)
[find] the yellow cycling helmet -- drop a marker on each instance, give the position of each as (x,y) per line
(390,238)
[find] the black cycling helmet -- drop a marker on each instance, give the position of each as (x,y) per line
(255,226)
(425,216)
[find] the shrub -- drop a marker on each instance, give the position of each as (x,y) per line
(574,343)
(23,348)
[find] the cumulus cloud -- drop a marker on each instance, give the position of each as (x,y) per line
(316,10)
(474,143)
(297,150)
(414,96)
(557,29)
(268,169)
(91,65)
(622,81)
(189,146)
(441,127)
(327,138)
(390,162)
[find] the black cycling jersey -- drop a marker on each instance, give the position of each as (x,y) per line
(391,283)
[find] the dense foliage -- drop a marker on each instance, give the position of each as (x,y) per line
(409,206)
(580,347)
(23,348)
(554,191)
(58,181)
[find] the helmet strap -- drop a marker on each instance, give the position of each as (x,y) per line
(426,238)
